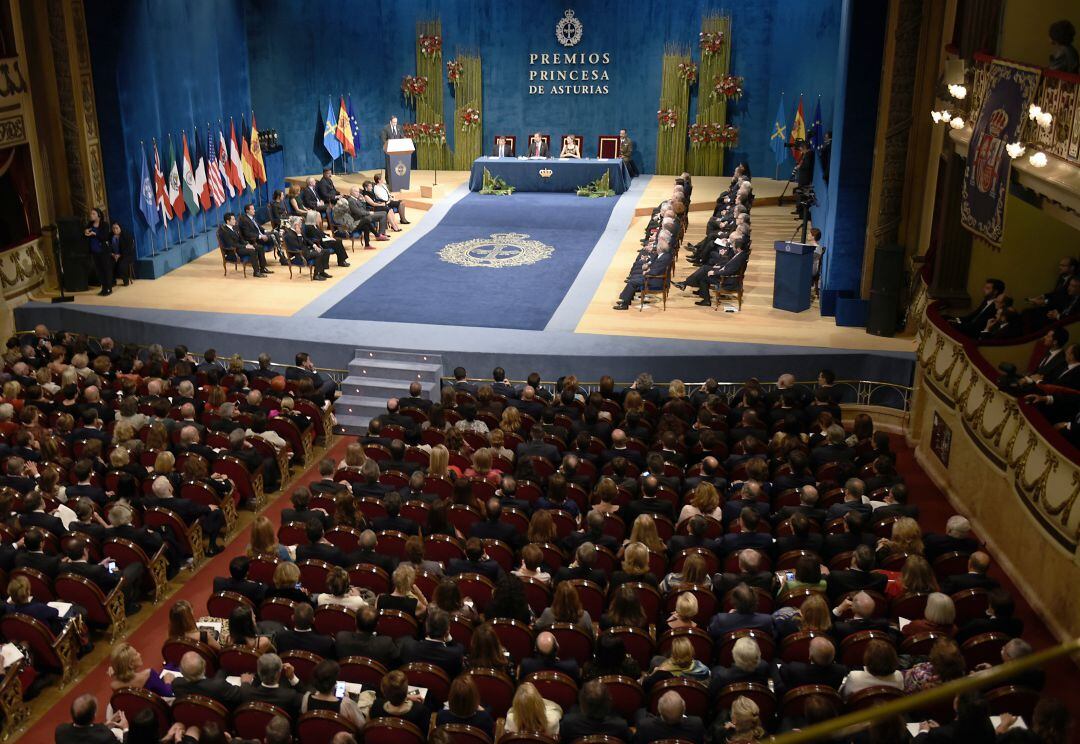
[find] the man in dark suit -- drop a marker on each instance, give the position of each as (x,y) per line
(724,270)
(209,517)
(502,149)
(583,566)
(492,528)
(547,659)
(1000,618)
(35,516)
(975,321)
(365,641)
(393,519)
(90,428)
(821,669)
(106,580)
(229,238)
(299,247)
(252,232)
(309,197)
(475,561)
(750,494)
(893,504)
(301,637)
(274,683)
(301,510)
(1052,363)
(859,576)
(862,609)
(414,399)
(744,614)
(807,506)
(436,647)
(957,539)
(745,534)
(318,547)
(593,532)
(854,489)
(653,271)
(391,131)
(854,534)
(750,573)
(394,417)
(83,489)
(834,449)
(304,369)
(195,682)
(120,527)
(975,578)
(326,189)
(649,502)
(32,556)
(368,552)
(530,403)
(83,730)
(537,447)
(592,716)
(538,147)
(500,386)
(326,485)
(18,476)
(799,476)
(671,723)
(237,581)
(801,538)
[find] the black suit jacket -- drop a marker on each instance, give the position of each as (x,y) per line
(283,696)
(98,574)
(215,688)
(44,521)
(250,230)
(651,506)
(149,541)
(229,238)
(797,673)
(326,189)
(309,197)
(960,582)
(501,531)
(652,728)
(847,580)
(540,148)
(532,664)
(447,656)
(98,733)
(253,590)
(576,725)
(295,640)
(379,648)
(401,524)
(46,564)
(374,557)
(490,569)
(385,133)
(320,552)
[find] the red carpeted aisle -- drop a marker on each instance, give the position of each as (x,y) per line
(150,635)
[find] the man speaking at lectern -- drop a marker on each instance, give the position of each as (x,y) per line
(390,131)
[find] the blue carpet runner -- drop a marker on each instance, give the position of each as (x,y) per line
(492,262)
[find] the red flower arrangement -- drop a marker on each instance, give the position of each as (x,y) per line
(430,45)
(413,86)
(426,133)
(728,86)
(711,42)
(454,71)
(667,118)
(469,117)
(712,134)
(688,72)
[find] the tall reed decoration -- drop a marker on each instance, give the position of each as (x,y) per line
(468,104)
(673,113)
(429,106)
(707,159)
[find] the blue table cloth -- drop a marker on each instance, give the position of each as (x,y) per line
(566,175)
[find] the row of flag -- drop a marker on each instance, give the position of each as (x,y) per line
(780,142)
(191,185)
(340,129)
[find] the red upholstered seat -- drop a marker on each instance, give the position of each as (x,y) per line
(794,702)
(626,694)
(443,548)
(361,670)
(313,575)
(174,648)
(759,693)
(132,700)
(699,639)
(392,730)
(796,646)
(872,696)
(460,733)
(304,662)
(496,689)
(396,624)
(694,694)
(333,619)
(727,641)
(368,576)
(262,568)
(196,710)
(555,686)
(476,587)
(638,643)
(430,677)
(574,643)
(238,660)
(322,725)
(984,648)
(250,719)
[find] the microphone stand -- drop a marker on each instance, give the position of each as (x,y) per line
(59,258)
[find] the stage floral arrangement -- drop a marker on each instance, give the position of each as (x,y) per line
(667,118)
(713,135)
(727,86)
(413,86)
(454,71)
(430,45)
(711,42)
(495,185)
(428,134)
(469,118)
(601,187)
(688,72)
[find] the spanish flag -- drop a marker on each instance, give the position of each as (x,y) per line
(798,131)
(247,169)
(344,131)
(258,167)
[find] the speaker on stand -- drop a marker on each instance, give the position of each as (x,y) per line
(885,291)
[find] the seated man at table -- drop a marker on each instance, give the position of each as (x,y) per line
(570,147)
(538,148)
(503,149)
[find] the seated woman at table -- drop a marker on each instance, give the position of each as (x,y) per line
(570,148)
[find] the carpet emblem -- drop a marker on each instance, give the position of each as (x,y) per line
(497,251)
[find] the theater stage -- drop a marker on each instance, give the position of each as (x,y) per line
(579,332)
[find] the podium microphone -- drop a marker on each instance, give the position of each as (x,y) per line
(58,256)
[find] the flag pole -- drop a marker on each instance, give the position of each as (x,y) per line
(179,220)
(142,152)
(164,216)
(182,183)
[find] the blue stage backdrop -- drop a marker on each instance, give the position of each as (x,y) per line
(161,66)
(298,62)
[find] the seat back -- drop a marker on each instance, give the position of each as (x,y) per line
(515,636)
(477,587)
(871,696)
(726,645)
(392,730)
(304,662)
(313,574)
(854,646)
(574,643)
(40,585)
(460,733)
(20,628)
(496,689)
(332,619)
(984,648)
(537,593)
(174,648)
(237,660)
(361,670)
(699,639)
(637,641)
(794,702)
(627,697)
(250,719)
(694,694)
(262,569)
(292,533)
(132,700)
(396,624)
(222,604)
(368,576)
(759,693)
(970,604)
(607,146)
(322,726)
(555,686)
(1020,701)
(196,710)
(591,595)
(429,676)
(277,609)
(346,539)
(81,591)
(443,548)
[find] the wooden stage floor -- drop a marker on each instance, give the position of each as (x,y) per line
(201,286)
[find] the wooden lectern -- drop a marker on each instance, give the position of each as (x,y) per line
(398,163)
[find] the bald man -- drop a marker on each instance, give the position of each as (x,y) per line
(670,723)
(820,668)
(83,730)
(862,607)
(547,658)
(195,682)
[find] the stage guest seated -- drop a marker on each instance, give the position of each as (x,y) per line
(367,194)
(326,189)
(313,231)
(385,198)
(570,147)
(538,148)
(310,199)
(279,210)
(654,266)
(230,239)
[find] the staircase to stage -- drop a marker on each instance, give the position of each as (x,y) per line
(375,376)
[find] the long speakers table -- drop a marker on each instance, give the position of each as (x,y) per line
(793,276)
(550,174)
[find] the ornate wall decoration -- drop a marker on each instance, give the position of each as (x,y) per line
(22,269)
(12,131)
(12,82)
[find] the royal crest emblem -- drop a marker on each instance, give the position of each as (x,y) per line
(546,172)
(497,251)
(400,169)
(568,29)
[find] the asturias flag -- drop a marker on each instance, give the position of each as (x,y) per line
(817,135)
(798,131)
(344,129)
(146,192)
(161,189)
(176,196)
(257,164)
(191,190)
(778,138)
(330,140)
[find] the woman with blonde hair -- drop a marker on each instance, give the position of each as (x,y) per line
(264,542)
(438,461)
(694,571)
(481,467)
(541,528)
(125,669)
(532,714)
(644,532)
(510,422)
(497,440)
(182,625)
(815,614)
(705,502)
(405,596)
(285,584)
(354,458)
(680,663)
(906,538)
(745,724)
(686,609)
(635,567)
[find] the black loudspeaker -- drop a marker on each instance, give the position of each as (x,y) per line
(74,254)
(885,290)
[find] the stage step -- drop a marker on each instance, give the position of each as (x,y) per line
(376,375)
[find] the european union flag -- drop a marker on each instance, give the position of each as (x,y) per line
(817,136)
(330,140)
(778,138)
